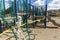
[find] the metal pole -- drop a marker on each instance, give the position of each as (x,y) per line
(1,27)
(33,16)
(45,14)
(26,6)
(15,7)
(4,13)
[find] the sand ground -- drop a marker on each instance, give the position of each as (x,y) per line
(41,33)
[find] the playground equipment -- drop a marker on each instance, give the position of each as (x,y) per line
(14,17)
(10,24)
(7,19)
(45,14)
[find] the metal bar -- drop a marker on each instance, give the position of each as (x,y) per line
(11,8)
(4,14)
(15,8)
(33,16)
(26,18)
(1,27)
(45,14)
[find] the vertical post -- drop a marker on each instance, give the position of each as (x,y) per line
(33,16)
(1,27)
(26,6)
(15,7)
(45,14)
(11,8)
(29,5)
(23,5)
(26,13)
(14,22)
(4,13)
(0,6)
(0,16)
(37,11)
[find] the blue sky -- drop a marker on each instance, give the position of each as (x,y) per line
(49,1)
(33,1)
(52,4)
